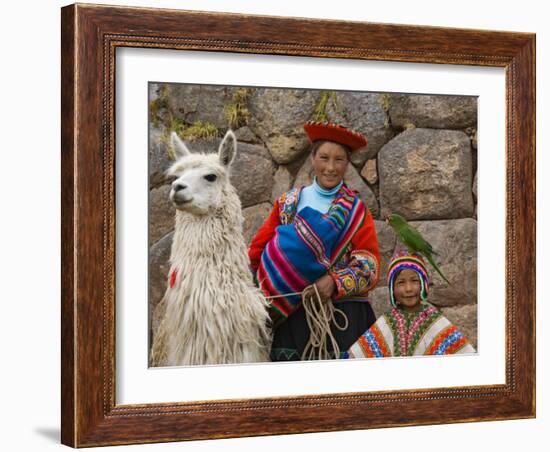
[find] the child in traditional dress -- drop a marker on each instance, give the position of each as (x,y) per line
(412,326)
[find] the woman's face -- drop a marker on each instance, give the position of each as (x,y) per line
(330,163)
(406,288)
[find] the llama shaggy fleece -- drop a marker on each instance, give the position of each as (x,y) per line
(213,312)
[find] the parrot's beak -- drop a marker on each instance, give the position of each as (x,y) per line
(388,219)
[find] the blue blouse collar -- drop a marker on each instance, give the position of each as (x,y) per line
(323,191)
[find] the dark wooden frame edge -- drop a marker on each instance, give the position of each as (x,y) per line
(90,35)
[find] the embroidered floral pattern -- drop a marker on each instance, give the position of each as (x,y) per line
(400,333)
(288,203)
(355,273)
(408,328)
(419,325)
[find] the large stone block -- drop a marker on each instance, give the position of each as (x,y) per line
(206,103)
(465,319)
(427,174)
(282,182)
(386,244)
(252,174)
(254,217)
(434,112)
(245,135)
(159,266)
(354,181)
(278,116)
(365,113)
(305,174)
(379,300)
(159,159)
(474,191)
(153,89)
(455,242)
(370,172)
(161,213)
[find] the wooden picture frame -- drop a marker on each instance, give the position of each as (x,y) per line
(90,37)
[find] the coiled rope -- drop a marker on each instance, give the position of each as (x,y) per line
(319,317)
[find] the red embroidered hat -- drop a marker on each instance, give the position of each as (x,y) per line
(333,132)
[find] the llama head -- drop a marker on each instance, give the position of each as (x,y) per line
(200,180)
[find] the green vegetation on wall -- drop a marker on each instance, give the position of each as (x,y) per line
(320,114)
(236,112)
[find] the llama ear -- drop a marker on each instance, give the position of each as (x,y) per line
(179,146)
(228,148)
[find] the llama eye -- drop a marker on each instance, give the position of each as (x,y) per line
(210,177)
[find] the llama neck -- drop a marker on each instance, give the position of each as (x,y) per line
(217,235)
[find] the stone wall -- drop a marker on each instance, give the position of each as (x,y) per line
(420,162)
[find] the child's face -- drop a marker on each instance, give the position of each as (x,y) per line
(406,288)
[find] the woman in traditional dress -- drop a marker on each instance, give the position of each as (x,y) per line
(413,326)
(318,243)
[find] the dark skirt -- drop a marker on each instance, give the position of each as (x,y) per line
(291,337)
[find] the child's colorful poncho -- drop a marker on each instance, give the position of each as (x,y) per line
(399,333)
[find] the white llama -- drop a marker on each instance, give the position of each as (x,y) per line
(213,312)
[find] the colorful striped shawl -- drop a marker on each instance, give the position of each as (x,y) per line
(397,333)
(301,252)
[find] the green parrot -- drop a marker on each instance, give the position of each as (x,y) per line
(413,240)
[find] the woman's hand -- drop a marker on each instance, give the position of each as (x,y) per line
(325,286)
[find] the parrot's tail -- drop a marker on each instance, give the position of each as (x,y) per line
(434,265)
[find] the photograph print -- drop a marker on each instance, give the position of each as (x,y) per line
(299,224)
